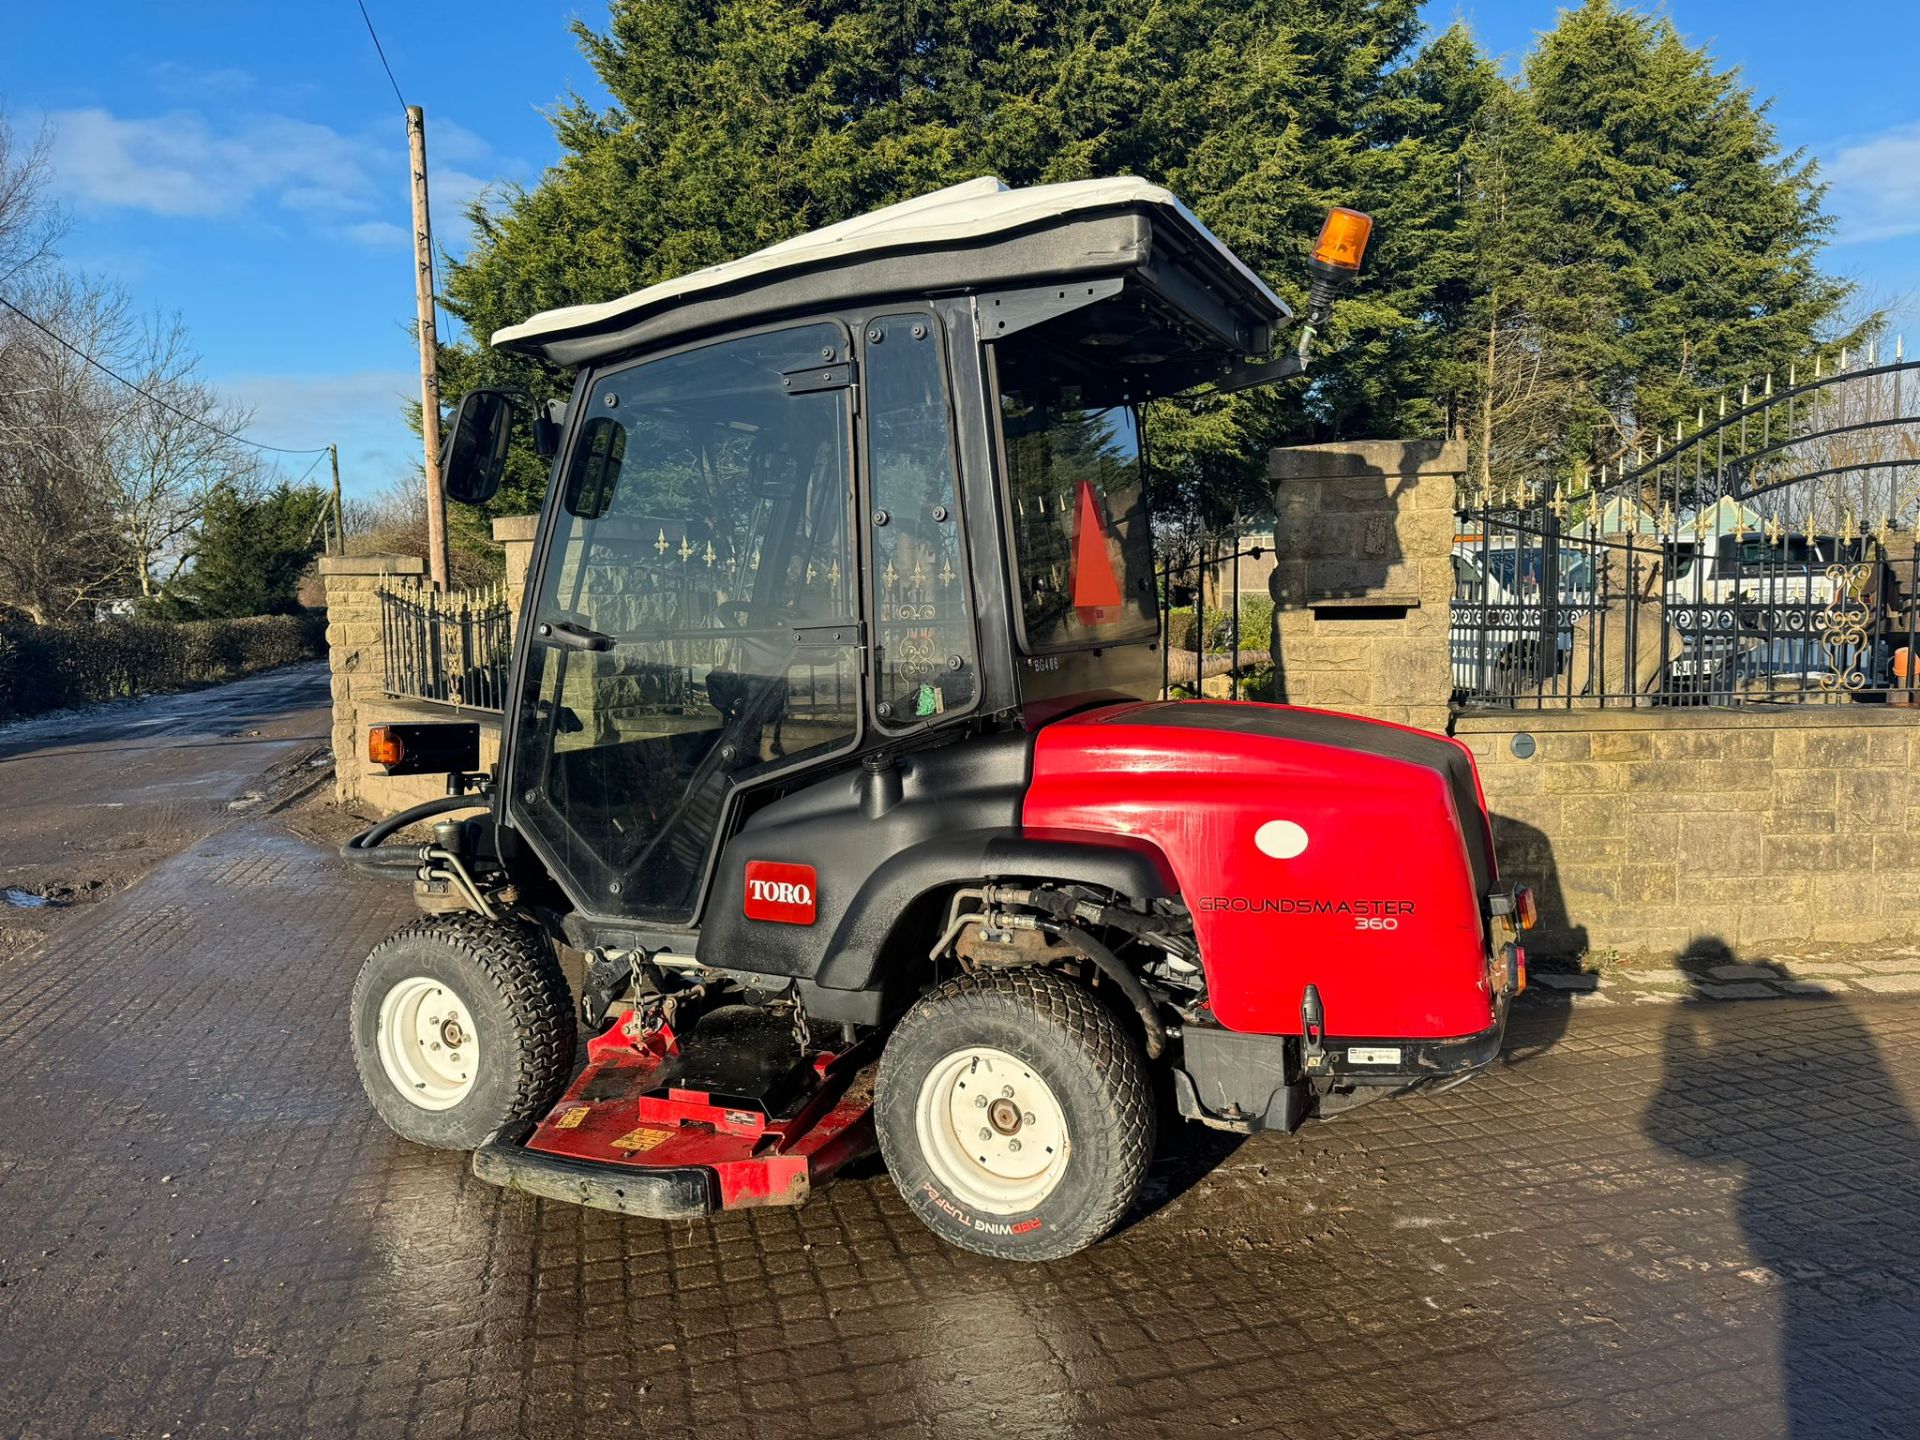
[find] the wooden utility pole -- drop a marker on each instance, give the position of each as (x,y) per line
(429,360)
(339,546)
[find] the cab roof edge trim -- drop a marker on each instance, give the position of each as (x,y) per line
(965,220)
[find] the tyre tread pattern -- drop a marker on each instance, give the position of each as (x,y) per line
(527,975)
(1073,1018)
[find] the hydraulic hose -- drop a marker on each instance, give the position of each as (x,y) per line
(360,850)
(1111,966)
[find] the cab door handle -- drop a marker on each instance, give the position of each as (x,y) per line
(569,636)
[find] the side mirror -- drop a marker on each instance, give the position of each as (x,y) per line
(474,456)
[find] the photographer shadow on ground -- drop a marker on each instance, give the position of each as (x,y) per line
(1828,1164)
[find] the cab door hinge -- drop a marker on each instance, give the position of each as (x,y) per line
(828,375)
(832,637)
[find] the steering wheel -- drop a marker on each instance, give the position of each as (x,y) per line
(740,610)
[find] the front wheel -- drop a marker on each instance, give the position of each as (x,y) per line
(461,1026)
(1015,1114)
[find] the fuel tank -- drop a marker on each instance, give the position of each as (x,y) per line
(1312,848)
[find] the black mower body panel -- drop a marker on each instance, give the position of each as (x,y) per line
(887,843)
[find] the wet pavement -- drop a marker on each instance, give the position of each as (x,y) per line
(1690,1220)
(93,798)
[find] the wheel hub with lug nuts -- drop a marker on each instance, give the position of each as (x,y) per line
(426,1042)
(1012,1161)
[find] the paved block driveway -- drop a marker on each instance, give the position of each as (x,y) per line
(1694,1220)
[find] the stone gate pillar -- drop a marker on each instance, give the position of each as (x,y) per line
(514,535)
(1363,538)
(356,654)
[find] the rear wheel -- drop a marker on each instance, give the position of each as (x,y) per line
(461,1026)
(1015,1114)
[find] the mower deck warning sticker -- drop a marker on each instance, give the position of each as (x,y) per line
(645,1138)
(571,1120)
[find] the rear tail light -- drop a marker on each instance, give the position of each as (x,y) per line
(1515,908)
(384,746)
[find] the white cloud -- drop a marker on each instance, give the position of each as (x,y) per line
(1875,186)
(179,164)
(378,234)
(184,165)
(364,412)
(454,144)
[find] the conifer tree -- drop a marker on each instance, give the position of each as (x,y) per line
(1682,242)
(1558,265)
(739,123)
(249,554)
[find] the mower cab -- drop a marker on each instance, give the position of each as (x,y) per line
(834,745)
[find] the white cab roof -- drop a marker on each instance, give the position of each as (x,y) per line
(963,214)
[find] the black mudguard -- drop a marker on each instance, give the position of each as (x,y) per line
(880,840)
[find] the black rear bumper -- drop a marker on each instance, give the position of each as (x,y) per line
(1414,1062)
(685,1192)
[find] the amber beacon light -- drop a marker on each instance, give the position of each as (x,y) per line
(1336,260)
(1343,239)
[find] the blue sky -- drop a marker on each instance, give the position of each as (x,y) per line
(245,164)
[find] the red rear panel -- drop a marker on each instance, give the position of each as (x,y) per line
(1311,848)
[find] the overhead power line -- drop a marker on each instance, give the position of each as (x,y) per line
(149,396)
(433,262)
(381,51)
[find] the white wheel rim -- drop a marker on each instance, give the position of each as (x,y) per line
(991,1131)
(427,1042)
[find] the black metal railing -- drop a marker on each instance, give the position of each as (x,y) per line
(451,648)
(1762,549)
(1548,613)
(1222,641)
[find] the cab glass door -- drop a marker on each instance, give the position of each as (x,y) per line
(695,627)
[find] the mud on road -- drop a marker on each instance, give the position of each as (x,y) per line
(94,798)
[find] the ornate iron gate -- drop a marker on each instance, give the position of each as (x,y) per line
(1765,554)
(452,648)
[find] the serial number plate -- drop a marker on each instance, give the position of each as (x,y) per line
(1373,1055)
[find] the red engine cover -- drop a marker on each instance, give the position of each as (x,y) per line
(1311,847)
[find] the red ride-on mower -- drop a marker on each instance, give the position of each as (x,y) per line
(833,745)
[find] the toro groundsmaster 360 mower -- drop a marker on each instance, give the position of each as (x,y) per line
(833,744)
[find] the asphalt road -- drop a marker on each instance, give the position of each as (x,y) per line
(94,798)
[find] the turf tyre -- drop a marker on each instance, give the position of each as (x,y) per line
(1092,1064)
(511,985)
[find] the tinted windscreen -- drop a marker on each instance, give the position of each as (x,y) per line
(1083,546)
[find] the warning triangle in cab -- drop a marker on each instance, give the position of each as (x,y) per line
(1096,589)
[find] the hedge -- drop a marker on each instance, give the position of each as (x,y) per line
(1256,626)
(53,667)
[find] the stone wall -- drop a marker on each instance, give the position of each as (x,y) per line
(514,535)
(1645,831)
(355,652)
(1364,576)
(360,700)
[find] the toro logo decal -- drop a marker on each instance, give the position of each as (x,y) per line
(780,892)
